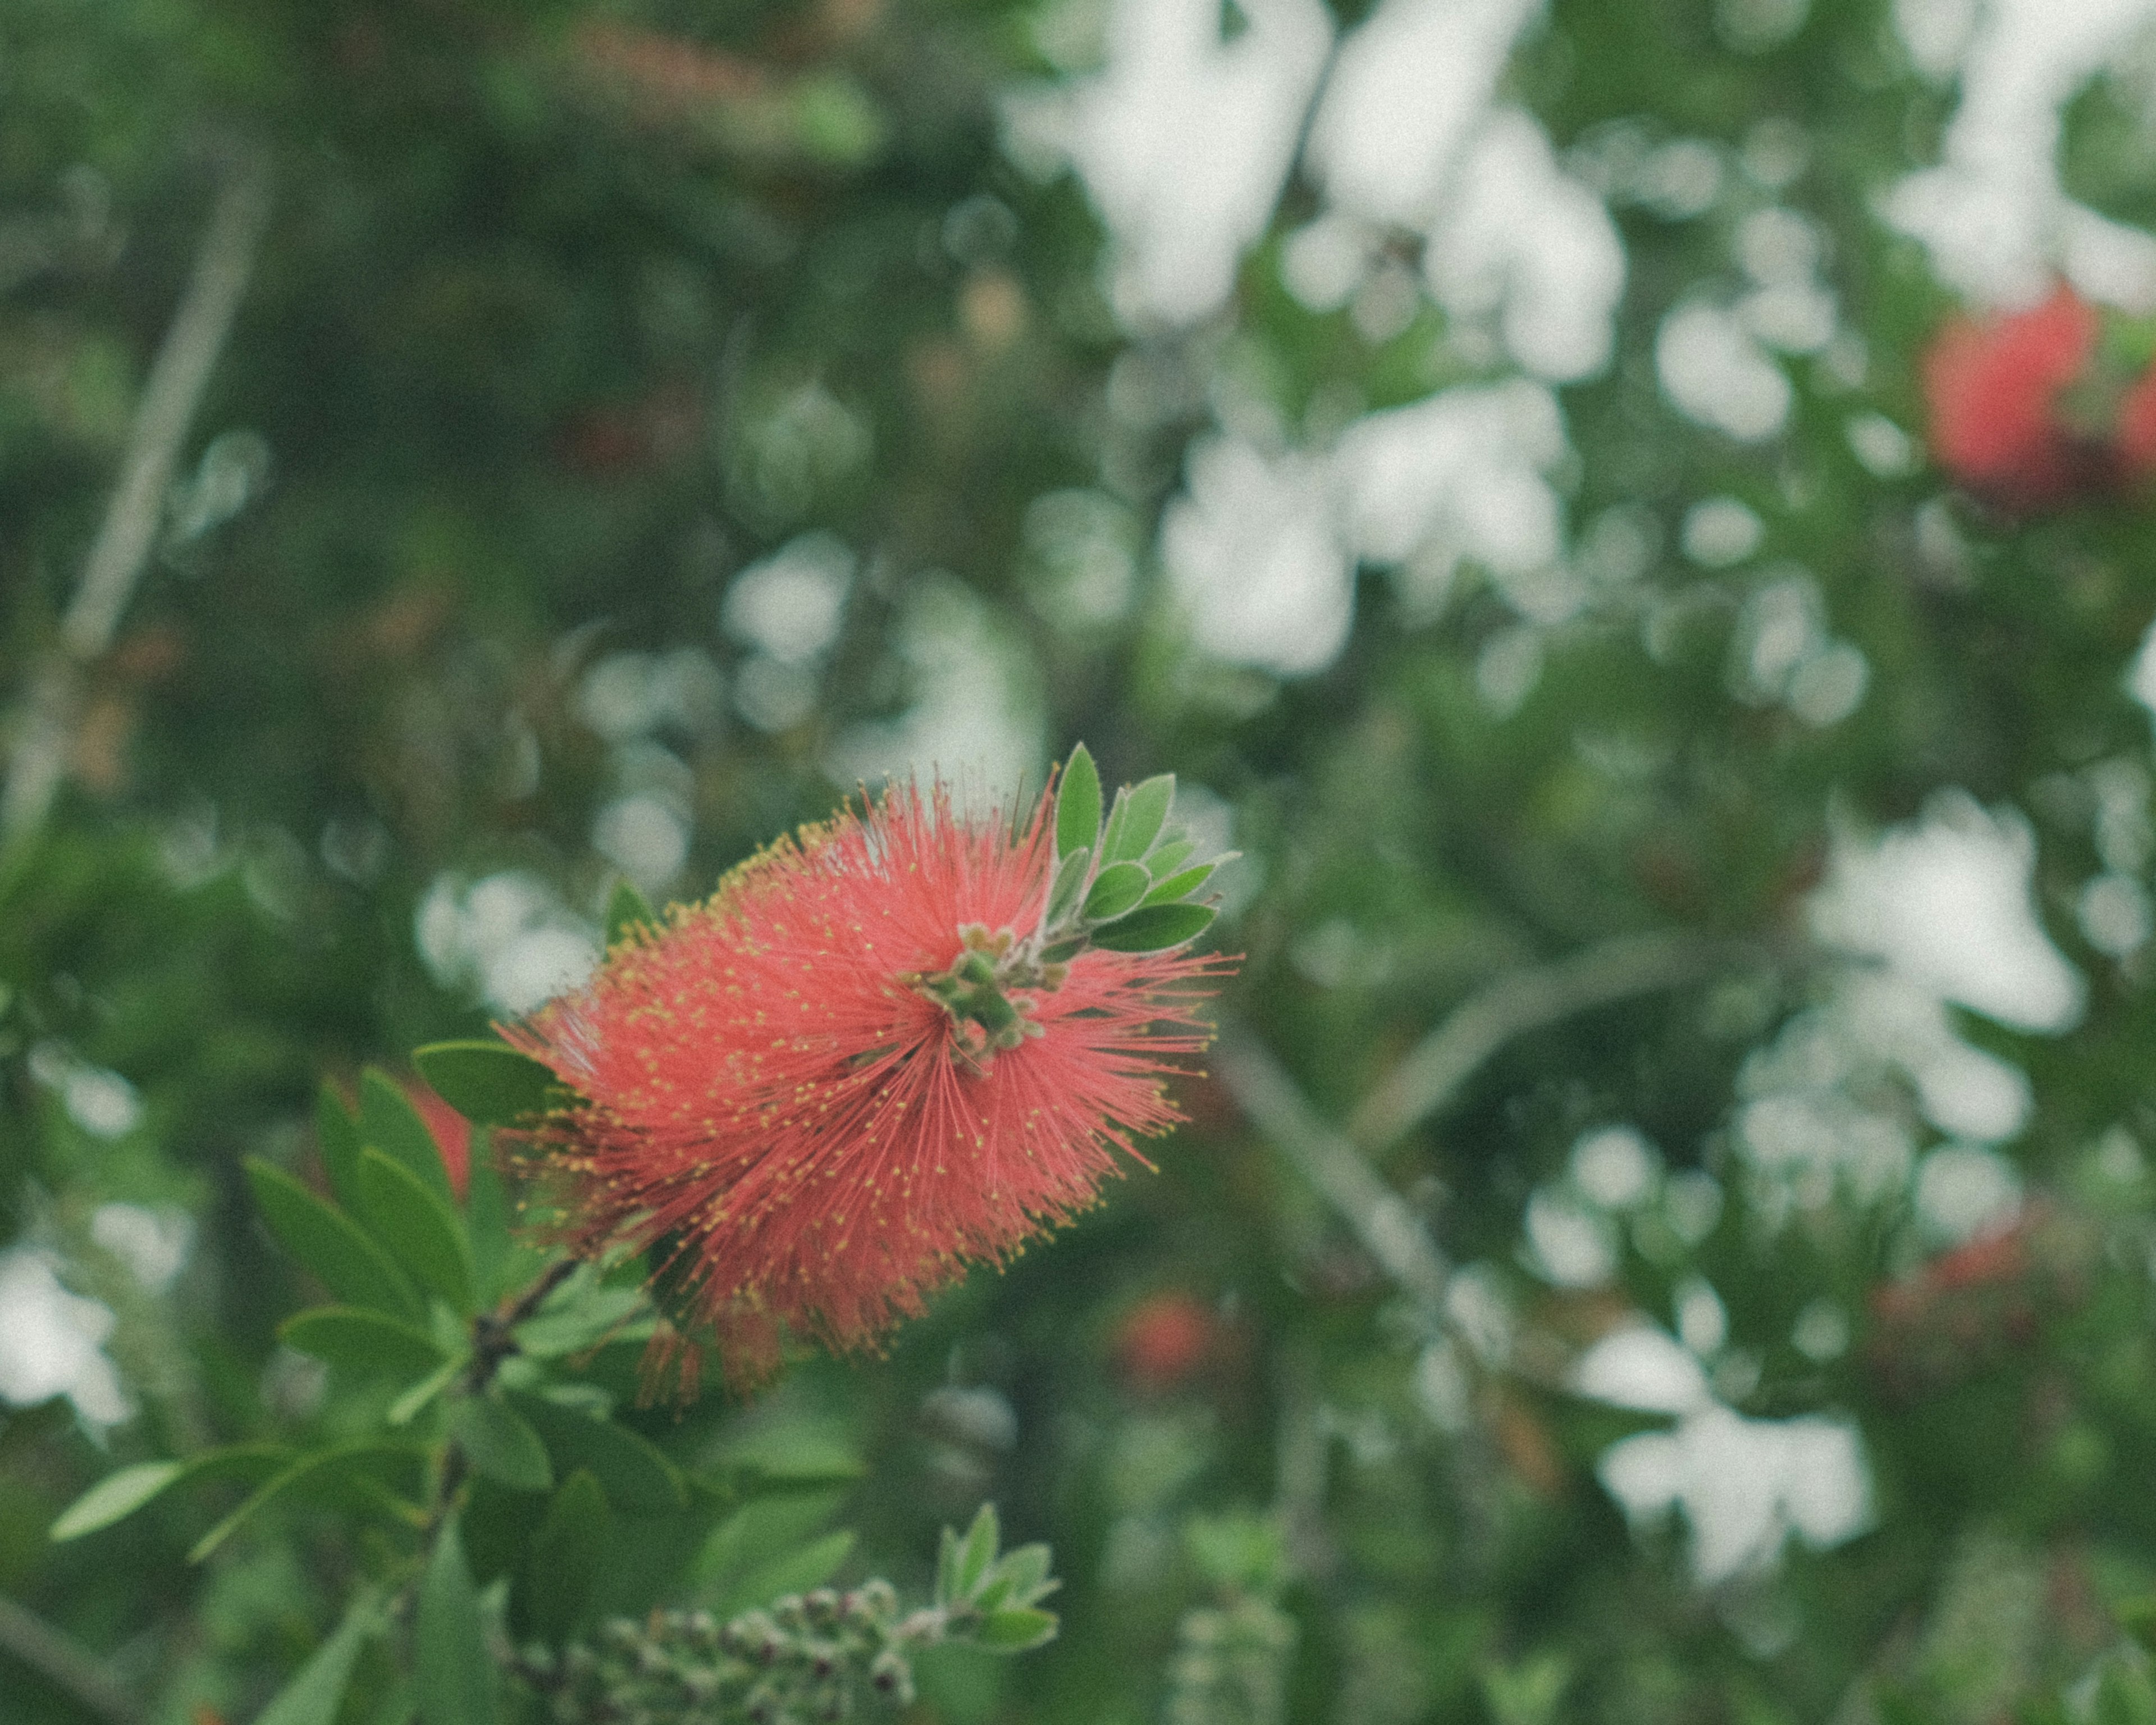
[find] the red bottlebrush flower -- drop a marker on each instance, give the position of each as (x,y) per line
(780,1097)
(1993,388)
(452,1133)
(1163,1340)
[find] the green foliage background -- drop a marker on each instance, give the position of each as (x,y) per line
(533,361)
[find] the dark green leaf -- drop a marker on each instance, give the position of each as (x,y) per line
(628,910)
(316,1690)
(1154,928)
(637,1478)
(456,1672)
(486,1219)
(811,1565)
(330,1244)
(338,1133)
(1016,1629)
(562,1564)
(1116,889)
(489,1083)
(367,1463)
(362,1341)
(390,1123)
(499,1444)
(418,1225)
(1140,813)
(1180,887)
(1078,804)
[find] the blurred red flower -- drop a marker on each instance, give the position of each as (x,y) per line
(805,1136)
(1992,387)
(1163,1340)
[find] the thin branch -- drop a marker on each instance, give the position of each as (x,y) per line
(170,397)
(1516,1003)
(1380,1217)
(64,1665)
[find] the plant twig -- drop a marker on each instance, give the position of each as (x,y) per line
(64,1664)
(1380,1217)
(1519,1002)
(170,397)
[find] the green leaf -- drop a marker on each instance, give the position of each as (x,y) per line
(366,1463)
(946,1568)
(493,1248)
(499,1444)
(330,1244)
(456,1672)
(976,1552)
(1116,889)
(339,1136)
(810,1566)
(419,1228)
(406,1408)
(1019,1578)
(317,1688)
(120,1495)
(1154,928)
(1140,811)
(116,1496)
(1069,878)
(1163,858)
(390,1123)
(1180,887)
(638,1480)
(562,1564)
(1016,1629)
(362,1341)
(581,1313)
(1078,804)
(628,910)
(489,1083)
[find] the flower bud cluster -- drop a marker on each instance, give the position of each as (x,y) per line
(826,1655)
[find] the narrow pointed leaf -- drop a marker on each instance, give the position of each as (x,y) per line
(366,1463)
(1164,859)
(120,1495)
(1070,880)
(406,1408)
(1180,887)
(1019,1578)
(390,1123)
(338,1133)
(500,1443)
(456,1673)
(628,910)
(317,1691)
(1078,804)
(1154,928)
(489,1083)
(978,1550)
(1141,812)
(360,1342)
(1116,889)
(419,1228)
(330,1244)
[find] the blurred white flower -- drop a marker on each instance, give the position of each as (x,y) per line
(52,1342)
